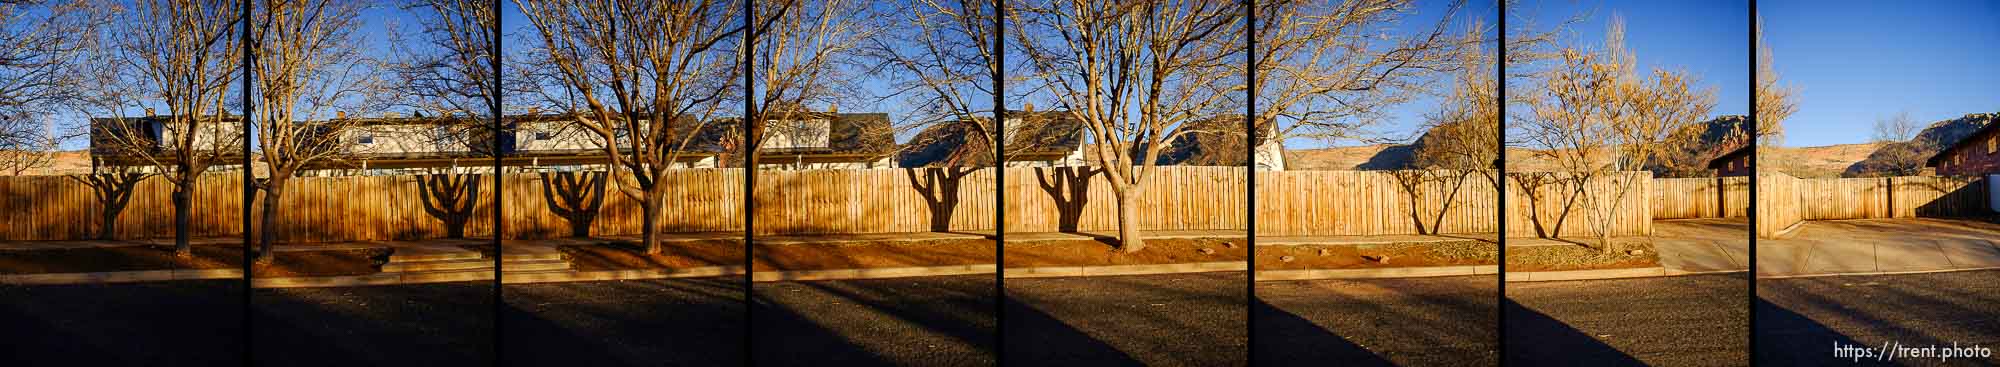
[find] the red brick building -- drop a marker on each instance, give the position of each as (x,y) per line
(1734,163)
(1977,154)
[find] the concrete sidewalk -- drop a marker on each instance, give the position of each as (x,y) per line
(1877,246)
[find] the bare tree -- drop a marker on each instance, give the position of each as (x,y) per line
(1775,102)
(1133,73)
(43,49)
(1462,138)
(1595,116)
(1902,151)
(806,53)
(942,61)
(643,77)
(308,62)
(182,55)
(445,73)
(1329,69)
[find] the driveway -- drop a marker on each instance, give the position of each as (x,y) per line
(1703,245)
(179,323)
(1695,320)
(1800,320)
(1447,321)
(1871,246)
(1156,320)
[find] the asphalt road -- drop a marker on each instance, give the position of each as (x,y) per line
(1800,320)
(929,321)
(1698,320)
(1413,321)
(662,322)
(1157,320)
(432,325)
(182,323)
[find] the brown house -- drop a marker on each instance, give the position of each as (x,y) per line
(1734,163)
(1976,154)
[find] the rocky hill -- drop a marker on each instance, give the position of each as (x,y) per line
(1933,138)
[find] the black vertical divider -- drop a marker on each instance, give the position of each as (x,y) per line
(499,227)
(1000,182)
(249,181)
(1252,137)
(1500,164)
(749,178)
(1750,301)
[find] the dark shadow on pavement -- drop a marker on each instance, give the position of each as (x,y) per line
(1786,338)
(1036,339)
(1287,339)
(1536,339)
(432,325)
(178,323)
(663,322)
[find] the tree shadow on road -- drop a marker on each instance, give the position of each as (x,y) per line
(1536,339)
(436,325)
(1035,338)
(181,323)
(678,322)
(1291,340)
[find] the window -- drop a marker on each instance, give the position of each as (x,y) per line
(366,138)
(544,135)
(1992,144)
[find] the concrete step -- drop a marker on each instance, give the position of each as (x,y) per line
(512,277)
(403,256)
(511,256)
(440,276)
(416,266)
(512,266)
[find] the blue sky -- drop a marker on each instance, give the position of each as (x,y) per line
(1856,61)
(1403,121)
(1708,38)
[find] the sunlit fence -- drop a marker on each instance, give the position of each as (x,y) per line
(1784,201)
(546,205)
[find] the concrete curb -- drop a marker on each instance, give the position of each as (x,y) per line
(603,275)
(1369,273)
(633,274)
(1111,270)
(1903,272)
(120,276)
(1546,276)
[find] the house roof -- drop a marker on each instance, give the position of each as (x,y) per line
(1990,128)
(848,133)
(1213,141)
(1723,160)
(1036,136)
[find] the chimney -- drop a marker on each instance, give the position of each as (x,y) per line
(149,111)
(834,108)
(340,114)
(1030,107)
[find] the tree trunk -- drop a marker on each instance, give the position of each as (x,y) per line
(269,232)
(182,220)
(649,233)
(1128,225)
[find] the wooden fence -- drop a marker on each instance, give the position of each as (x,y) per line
(543,205)
(1784,200)
(1690,198)
(1540,204)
